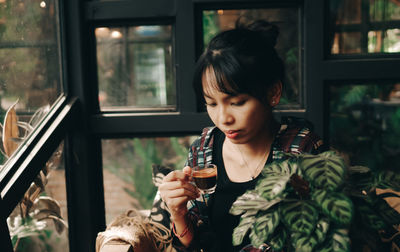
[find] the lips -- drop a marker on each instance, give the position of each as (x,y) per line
(232,134)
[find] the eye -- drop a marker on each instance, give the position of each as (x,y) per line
(210,104)
(238,103)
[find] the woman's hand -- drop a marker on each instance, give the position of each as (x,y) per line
(176,191)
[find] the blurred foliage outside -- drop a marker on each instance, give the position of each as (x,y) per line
(132,160)
(29,57)
(365,123)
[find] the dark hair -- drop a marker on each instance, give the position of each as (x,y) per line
(244,60)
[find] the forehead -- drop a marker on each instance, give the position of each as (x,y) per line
(213,84)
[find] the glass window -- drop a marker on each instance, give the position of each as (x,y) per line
(127,170)
(30,76)
(364,26)
(39,221)
(365,122)
(135,68)
(288,44)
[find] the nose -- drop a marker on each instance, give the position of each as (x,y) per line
(225,116)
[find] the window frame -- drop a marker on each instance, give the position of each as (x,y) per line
(79,121)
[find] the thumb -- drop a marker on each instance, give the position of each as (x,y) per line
(187,170)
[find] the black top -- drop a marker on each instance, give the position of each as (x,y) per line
(221,201)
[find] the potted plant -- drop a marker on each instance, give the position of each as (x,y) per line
(315,203)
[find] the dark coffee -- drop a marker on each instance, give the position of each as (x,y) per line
(205,179)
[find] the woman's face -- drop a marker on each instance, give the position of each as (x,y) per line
(242,117)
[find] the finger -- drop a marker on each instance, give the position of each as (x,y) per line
(187,170)
(192,193)
(175,175)
(177,185)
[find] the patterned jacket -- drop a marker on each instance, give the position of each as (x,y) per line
(295,136)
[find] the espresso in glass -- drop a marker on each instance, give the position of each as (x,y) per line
(205,177)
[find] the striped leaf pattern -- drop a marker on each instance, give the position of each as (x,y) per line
(278,238)
(321,229)
(299,216)
(388,180)
(304,243)
(241,230)
(258,237)
(338,207)
(276,176)
(325,170)
(337,241)
(369,217)
(251,201)
(267,221)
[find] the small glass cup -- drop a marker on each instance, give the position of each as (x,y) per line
(205,177)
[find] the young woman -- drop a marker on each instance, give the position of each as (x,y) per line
(239,78)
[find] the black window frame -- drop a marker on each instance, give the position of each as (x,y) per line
(79,122)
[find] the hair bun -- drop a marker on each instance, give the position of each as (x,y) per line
(266,29)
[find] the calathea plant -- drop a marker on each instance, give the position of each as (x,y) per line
(309,202)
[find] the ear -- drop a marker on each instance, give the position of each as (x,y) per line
(275,94)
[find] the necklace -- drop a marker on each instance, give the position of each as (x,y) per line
(255,172)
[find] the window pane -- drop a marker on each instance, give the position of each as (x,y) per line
(30,74)
(288,44)
(347,43)
(383,10)
(127,169)
(39,221)
(365,123)
(384,41)
(135,68)
(364,26)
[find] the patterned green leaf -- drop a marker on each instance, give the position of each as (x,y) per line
(369,218)
(299,216)
(304,243)
(241,230)
(276,176)
(277,241)
(272,186)
(266,221)
(337,241)
(321,229)
(251,201)
(325,170)
(288,166)
(388,180)
(336,206)
(257,238)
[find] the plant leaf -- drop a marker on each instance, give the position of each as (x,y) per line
(49,204)
(388,180)
(266,221)
(257,238)
(251,201)
(271,186)
(340,240)
(278,238)
(10,130)
(276,176)
(325,170)
(370,219)
(303,242)
(321,229)
(299,216)
(241,230)
(336,206)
